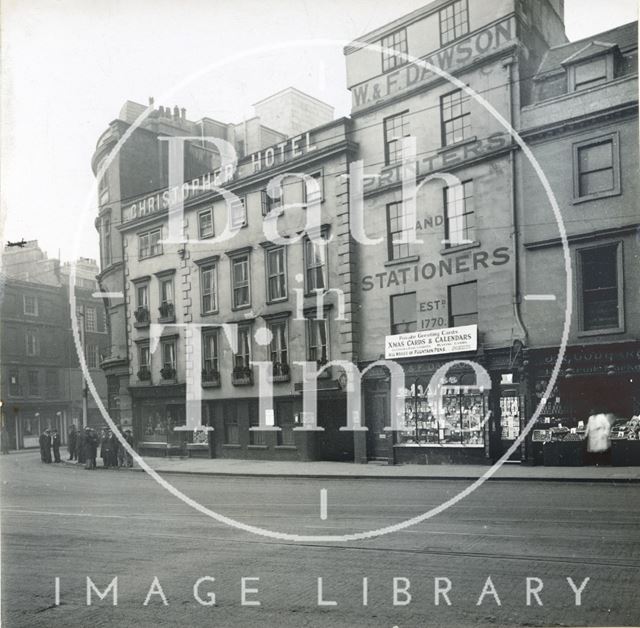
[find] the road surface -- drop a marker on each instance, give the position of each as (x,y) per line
(60,521)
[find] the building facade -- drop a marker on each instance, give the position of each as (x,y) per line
(42,385)
(450,271)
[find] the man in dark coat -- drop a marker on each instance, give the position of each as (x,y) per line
(45,446)
(81,447)
(72,442)
(115,448)
(91,448)
(42,440)
(55,444)
(105,448)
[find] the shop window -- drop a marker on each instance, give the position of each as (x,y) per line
(454,21)
(396,250)
(209,289)
(596,166)
(459,214)
(33,381)
(154,424)
(205,224)
(463,304)
(149,243)
(395,128)
(462,419)
(256,437)
(90,319)
(455,116)
(32,344)
(395,42)
(403,313)
(600,274)
(240,280)
(315,260)
(30,305)
(276,274)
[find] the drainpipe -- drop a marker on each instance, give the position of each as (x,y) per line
(514,205)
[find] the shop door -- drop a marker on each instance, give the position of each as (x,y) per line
(379,442)
(510,422)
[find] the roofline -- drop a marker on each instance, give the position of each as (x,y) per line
(594,37)
(294,89)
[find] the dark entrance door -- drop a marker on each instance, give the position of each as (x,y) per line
(334,444)
(379,442)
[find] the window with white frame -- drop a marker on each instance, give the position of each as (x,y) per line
(396,249)
(166,291)
(455,116)
(205,223)
(396,128)
(30,305)
(169,355)
(317,341)
(239,213)
(90,318)
(600,292)
(313,190)
(591,73)
(454,21)
(403,313)
(276,274)
(142,296)
(463,304)
(209,288)
(596,165)
(278,347)
(242,358)
(270,204)
(315,260)
(240,281)
(144,356)
(394,43)
(149,243)
(210,355)
(92,356)
(32,344)
(459,214)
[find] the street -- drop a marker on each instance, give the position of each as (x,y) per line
(62,521)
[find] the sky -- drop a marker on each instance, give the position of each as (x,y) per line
(67,67)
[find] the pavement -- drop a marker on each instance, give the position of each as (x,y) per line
(350,471)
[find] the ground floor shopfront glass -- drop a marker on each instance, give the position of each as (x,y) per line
(595,379)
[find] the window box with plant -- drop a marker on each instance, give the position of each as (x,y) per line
(242,376)
(141,315)
(144,374)
(281,372)
(168,372)
(210,378)
(167,312)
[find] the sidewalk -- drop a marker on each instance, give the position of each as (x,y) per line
(344,470)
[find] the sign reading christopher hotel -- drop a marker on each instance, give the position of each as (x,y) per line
(432,342)
(414,75)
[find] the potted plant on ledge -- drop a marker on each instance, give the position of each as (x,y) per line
(281,372)
(210,377)
(242,376)
(142,316)
(168,372)
(144,374)
(167,312)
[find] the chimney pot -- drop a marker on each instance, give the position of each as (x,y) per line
(176,112)
(183,111)
(151,101)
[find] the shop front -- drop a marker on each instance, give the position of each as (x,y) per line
(157,411)
(594,379)
(467,409)
(26,421)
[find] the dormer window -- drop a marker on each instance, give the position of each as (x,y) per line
(590,73)
(591,66)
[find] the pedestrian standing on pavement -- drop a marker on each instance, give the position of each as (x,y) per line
(55,444)
(91,448)
(42,440)
(81,448)
(105,448)
(114,451)
(47,445)
(598,441)
(72,440)
(4,440)
(128,436)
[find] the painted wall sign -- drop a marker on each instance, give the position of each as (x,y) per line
(433,342)
(438,162)
(450,59)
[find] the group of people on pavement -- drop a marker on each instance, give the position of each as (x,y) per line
(84,444)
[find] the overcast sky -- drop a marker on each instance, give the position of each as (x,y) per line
(69,65)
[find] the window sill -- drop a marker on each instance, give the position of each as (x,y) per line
(239,308)
(141,325)
(231,446)
(460,247)
(276,301)
(286,447)
(469,140)
(213,313)
(411,259)
(257,447)
(601,332)
(578,200)
(442,445)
